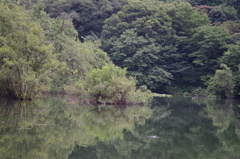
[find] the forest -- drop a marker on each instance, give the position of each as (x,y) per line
(119,51)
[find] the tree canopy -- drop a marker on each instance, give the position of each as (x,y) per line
(169,45)
(146,37)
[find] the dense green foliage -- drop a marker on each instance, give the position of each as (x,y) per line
(111,85)
(206,46)
(169,45)
(39,53)
(88,16)
(26,59)
(148,38)
(222,83)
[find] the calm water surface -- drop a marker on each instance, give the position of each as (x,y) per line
(171,128)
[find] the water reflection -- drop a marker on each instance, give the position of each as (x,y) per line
(51,128)
(225,117)
(60,128)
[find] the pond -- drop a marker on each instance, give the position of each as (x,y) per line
(171,128)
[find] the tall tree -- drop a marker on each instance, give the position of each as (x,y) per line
(79,58)
(26,60)
(232,59)
(88,16)
(205,47)
(147,36)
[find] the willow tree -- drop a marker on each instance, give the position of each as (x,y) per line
(26,60)
(79,58)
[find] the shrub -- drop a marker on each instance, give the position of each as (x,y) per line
(110,85)
(221,84)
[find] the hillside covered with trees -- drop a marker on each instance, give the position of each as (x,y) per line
(115,50)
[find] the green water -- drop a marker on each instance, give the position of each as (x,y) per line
(171,128)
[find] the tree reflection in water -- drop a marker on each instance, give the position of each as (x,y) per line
(60,128)
(51,128)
